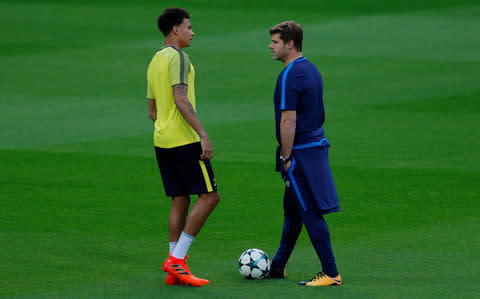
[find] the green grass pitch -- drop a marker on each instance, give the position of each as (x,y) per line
(82,209)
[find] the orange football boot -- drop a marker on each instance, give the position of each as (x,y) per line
(179,269)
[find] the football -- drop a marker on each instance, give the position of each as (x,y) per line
(254,264)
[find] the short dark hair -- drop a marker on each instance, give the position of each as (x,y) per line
(171,17)
(289,30)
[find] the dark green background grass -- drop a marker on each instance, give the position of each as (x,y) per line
(82,209)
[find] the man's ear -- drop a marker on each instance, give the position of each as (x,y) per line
(290,44)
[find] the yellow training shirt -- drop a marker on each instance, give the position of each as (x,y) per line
(170,66)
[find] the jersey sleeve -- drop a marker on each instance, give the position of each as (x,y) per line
(179,66)
(290,89)
(149,91)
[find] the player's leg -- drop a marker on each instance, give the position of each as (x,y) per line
(176,224)
(202,208)
(197,178)
(178,216)
(166,160)
(292,226)
(180,203)
(176,264)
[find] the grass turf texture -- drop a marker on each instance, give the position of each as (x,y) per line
(82,210)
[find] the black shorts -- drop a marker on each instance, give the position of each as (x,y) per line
(183,172)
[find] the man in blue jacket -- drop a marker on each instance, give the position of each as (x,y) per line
(302,155)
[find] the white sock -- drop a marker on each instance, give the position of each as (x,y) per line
(183,245)
(172,245)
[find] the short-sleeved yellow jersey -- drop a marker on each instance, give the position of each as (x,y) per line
(170,66)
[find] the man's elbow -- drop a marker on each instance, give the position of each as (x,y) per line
(289,122)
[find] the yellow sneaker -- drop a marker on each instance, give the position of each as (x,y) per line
(322,280)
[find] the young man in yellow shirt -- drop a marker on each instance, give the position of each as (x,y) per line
(183,149)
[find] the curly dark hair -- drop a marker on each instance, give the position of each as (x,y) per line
(171,17)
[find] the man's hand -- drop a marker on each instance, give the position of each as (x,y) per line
(287,165)
(207,149)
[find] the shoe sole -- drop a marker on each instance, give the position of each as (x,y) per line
(185,281)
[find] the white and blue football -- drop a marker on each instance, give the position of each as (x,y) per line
(254,264)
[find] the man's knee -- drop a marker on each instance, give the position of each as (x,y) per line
(212,198)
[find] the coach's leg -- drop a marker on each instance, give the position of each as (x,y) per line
(292,226)
(319,234)
(315,224)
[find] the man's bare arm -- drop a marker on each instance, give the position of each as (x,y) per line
(180,94)
(288,124)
